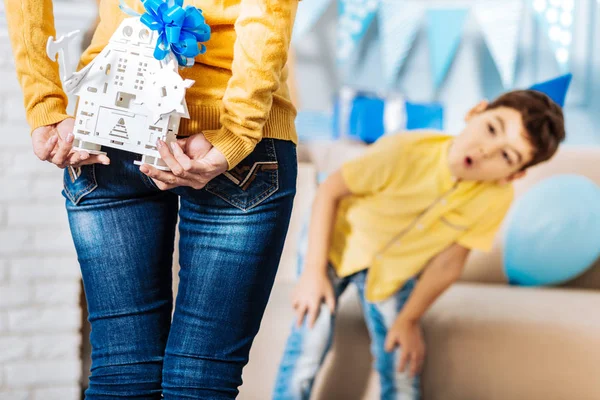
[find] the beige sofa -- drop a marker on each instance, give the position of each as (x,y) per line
(486,340)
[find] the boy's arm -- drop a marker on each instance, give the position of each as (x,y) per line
(30,23)
(443,270)
(314,286)
(324,210)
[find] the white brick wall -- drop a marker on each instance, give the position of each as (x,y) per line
(14,294)
(32,373)
(42,268)
(14,241)
(55,346)
(3,322)
(3,271)
(56,393)
(41,215)
(14,395)
(40,317)
(50,241)
(56,293)
(13,348)
(44,319)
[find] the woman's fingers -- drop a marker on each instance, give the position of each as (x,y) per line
(170,160)
(97,159)
(74,159)
(184,171)
(87,159)
(182,142)
(64,147)
(183,160)
(44,153)
(159,175)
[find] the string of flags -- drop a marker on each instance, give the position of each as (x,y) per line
(399,22)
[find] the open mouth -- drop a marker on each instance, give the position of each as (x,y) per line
(468,162)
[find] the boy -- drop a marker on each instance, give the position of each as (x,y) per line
(412,207)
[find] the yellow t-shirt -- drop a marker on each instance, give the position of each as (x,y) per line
(406,207)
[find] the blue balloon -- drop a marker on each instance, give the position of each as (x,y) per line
(553,232)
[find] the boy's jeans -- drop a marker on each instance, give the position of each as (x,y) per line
(230,241)
(306,348)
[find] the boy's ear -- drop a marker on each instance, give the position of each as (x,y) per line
(479,108)
(516,175)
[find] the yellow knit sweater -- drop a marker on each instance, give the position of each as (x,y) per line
(240,94)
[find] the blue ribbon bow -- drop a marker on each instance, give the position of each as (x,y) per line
(180,29)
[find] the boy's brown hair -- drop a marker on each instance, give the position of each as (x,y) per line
(542,118)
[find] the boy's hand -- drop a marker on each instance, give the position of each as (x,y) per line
(53,143)
(312,289)
(443,270)
(408,336)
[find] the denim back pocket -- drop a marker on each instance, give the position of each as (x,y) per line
(252,181)
(79,181)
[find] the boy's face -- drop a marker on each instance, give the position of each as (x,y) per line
(493,147)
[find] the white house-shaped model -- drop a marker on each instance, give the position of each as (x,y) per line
(127,99)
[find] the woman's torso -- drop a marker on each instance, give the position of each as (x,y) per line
(212,70)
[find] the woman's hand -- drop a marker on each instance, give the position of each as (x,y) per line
(193,162)
(312,289)
(53,143)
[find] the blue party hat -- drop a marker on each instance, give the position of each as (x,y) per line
(555,88)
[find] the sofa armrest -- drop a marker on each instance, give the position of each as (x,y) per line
(498,342)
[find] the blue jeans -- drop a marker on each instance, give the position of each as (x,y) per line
(306,348)
(231,237)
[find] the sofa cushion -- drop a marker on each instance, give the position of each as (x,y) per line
(496,343)
(489,342)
